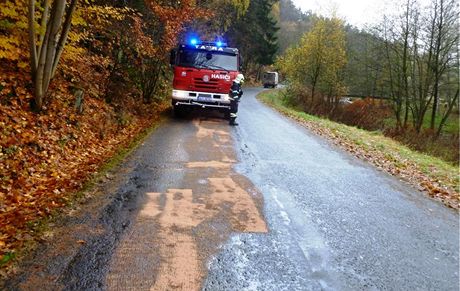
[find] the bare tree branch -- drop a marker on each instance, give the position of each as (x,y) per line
(64,34)
(43,23)
(55,25)
(32,39)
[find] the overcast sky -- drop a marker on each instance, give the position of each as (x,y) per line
(355,12)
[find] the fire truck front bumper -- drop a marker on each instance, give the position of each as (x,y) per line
(201,99)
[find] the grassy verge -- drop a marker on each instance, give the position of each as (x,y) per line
(434,176)
(39,228)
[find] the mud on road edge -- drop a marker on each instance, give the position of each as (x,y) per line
(90,220)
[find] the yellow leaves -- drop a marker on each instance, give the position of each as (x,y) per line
(77,36)
(23,65)
(8,43)
(78,19)
(9,48)
(13,10)
(14,27)
(13,22)
(241,6)
(102,15)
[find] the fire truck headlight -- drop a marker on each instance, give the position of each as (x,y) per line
(179,94)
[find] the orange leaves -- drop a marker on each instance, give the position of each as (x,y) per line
(143,43)
(175,18)
(46,157)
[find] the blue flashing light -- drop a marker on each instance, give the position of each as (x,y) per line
(219,43)
(193,41)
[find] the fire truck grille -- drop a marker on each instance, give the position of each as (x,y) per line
(211,85)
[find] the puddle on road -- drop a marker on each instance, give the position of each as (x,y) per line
(164,249)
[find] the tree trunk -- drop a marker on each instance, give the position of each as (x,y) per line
(434,109)
(64,34)
(437,63)
(32,40)
(404,76)
(43,22)
(45,58)
(55,25)
(447,113)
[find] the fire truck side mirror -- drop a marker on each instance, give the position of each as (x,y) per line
(172,57)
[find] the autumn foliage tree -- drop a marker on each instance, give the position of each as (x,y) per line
(174,16)
(317,63)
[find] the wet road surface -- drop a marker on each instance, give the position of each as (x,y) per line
(262,206)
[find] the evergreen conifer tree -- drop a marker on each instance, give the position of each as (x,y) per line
(255,34)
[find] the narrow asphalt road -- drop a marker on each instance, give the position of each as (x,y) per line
(262,206)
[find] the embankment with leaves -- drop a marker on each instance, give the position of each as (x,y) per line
(109,85)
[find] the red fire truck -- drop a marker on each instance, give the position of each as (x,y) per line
(203,74)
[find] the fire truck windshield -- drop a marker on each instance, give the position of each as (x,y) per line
(208,60)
